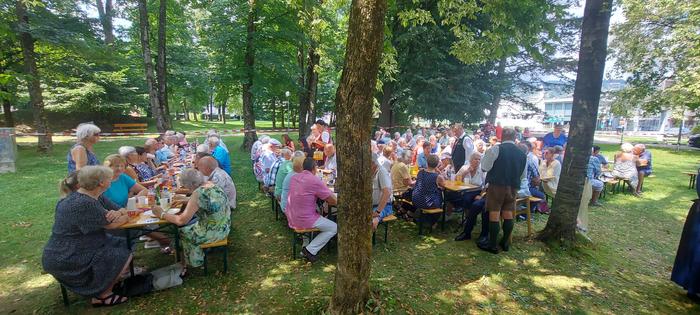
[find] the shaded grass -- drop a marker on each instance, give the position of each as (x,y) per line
(625,270)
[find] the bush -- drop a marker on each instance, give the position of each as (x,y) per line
(695,130)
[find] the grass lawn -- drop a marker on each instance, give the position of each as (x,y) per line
(625,270)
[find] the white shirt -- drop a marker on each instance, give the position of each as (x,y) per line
(478,179)
(552,173)
(331,163)
(381,180)
(325,137)
(223,180)
(468,145)
(268,158)
(385,162)
(254,149)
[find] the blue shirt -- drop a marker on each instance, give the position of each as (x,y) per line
(593,171)
(646,155)
(118,192)
(163,155)
(550,141)
(285,189)
(601,159)
(422,160)
(221,155)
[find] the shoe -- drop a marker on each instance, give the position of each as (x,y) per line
(504,246)
(482,239)
(463,237)
(694,297)
(521,217)
(485,247)
(309,256)
(596,204)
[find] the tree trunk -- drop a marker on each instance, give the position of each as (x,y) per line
(274,113)
(36,99)
(311,86)
(148,67)
(248,113)
(7,109)
(161,64)
(301,82)
(105,12)
(354,101)
(210,107)
(223,110)
(591,65)
(184,109)
(385,106)
(498,91)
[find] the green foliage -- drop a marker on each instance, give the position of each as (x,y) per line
(653,45)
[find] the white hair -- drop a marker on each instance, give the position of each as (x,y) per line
(126,150)
(298,154)
(213,141)
(169,133)
(91,176)
(264,139)
(202,148)
(86,130)
(627,147)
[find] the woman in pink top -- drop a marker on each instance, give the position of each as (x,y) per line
(305,188)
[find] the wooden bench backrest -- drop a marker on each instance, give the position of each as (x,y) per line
(132,127)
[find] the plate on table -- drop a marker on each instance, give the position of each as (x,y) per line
(173,210)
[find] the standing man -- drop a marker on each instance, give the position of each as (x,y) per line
(555,138)
(463,147)
(505,167)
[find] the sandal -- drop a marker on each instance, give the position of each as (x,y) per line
(183,273)
(110,300)
(167,250)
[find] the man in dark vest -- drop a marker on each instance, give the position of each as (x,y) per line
(505,164)
(462,148)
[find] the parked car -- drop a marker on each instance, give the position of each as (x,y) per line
(674,131)
(694,141)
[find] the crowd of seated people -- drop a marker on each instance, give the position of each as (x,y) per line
(87,252)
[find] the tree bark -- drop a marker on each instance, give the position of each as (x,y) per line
(385,117)
(184,109)
(7,109)
(36,99)
(223,110)
(311,87)
(274,113)
(248,113)
(161,64)
(148,67)
(354,100)
(105,12)
(591,65)
(498,92)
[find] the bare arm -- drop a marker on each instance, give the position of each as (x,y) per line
(138,190)
(331,200)
(79,154)
(185,216)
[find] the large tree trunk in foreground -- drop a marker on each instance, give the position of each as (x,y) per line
(148,67)
(248,113)
(354,100)
(105,13)
(589,79)
(161,64)
(36,99)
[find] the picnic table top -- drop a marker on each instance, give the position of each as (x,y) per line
(142,220)
(452,185)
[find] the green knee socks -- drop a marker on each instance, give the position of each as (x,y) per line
(494,229)
(507,230)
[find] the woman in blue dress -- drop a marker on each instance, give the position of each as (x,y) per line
(427,193)
(82,154)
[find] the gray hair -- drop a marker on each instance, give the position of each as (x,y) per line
(627,147)
(298,154)
(640,146)
(213,141)
(202,148)
(474,156)
(91,176)
(212,132)
(264,139)
(191,179)
(86,130)
(126,150)
(286,152)
(169,133)
(406,156)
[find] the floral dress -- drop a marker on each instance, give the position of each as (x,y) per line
(213,224)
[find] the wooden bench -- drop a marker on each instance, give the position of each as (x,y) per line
(297,234)
(430,212)
(222,246)
(385,222)
(612,183)
(130,128)
(527,211)
(691,180)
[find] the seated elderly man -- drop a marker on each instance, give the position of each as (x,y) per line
(270,155)
(422,158)
(256,150)
(331,161)
(209,167)
(271,178)
(304,189)
(643,164)
(381,193)
(219,153)
(593,173)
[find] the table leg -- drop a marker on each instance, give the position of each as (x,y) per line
(128,246)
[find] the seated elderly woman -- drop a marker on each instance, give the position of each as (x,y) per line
(136,166)
(472,174)
(82,154)
(122,186)
(427,192)
(549,170)
(80,253)
(210,205)
(626,166)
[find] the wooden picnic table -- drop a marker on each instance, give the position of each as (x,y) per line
(452,185)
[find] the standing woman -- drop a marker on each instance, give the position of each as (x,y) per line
(82,154)
(80,254)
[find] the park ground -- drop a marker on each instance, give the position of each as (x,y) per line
(625,270)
